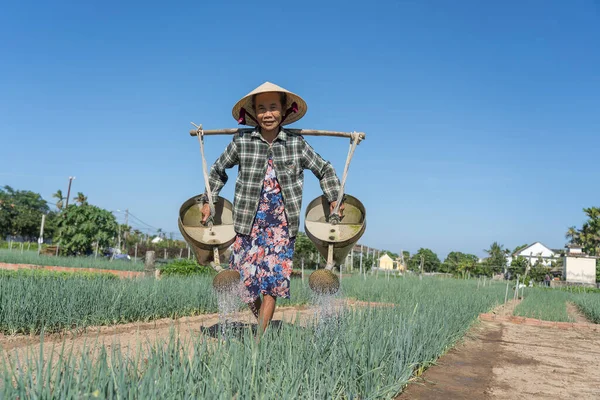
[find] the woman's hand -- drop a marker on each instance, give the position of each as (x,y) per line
(332,207)
(205,212)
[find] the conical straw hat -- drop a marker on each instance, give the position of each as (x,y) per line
(246,103)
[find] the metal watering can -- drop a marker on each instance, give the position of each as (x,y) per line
(209,243)
(333,239)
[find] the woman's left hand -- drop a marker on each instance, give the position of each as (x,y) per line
(332,207)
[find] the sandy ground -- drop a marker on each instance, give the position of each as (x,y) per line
(504,360)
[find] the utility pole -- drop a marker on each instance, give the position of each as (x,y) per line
(69,190)
(126,233)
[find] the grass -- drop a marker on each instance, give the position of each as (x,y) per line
(589,305)
(15,256)
(30,302)
(551,304)
(544,304)
(370,353)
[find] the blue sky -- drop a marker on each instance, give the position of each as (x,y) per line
(482,119)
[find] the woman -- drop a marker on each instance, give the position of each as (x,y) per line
(268,193)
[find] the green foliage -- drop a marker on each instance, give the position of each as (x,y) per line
(393,256)
(457,262)
(589,304)
(431,262)
(374,357)
(519,248)
(30,302)
(185,267)
(547,305)
(80,226)
(46,274)
(496,261)
(518,266)
(368,261)
(538,271)
(589,234)
(406,255)
(304,249)
(31,257)
(21,213)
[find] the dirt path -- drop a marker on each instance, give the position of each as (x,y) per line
(505,360)
(119,273)
(575,314)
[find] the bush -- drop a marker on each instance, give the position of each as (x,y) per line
(185,267)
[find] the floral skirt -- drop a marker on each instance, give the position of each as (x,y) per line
(264,258)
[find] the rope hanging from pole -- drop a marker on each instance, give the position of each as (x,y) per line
(354,141)
(200,134)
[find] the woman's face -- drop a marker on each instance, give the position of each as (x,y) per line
(268,110)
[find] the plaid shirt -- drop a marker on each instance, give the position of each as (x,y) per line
(291,156)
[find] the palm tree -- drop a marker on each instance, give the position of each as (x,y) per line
(60,199)
(497,256)
(81,198)
(573,235)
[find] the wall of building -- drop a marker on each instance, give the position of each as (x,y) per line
(536,250)
(386,263)
(579,269)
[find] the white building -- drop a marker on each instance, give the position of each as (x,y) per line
(533,252)
(578,267)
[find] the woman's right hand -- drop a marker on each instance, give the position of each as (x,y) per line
(205,212)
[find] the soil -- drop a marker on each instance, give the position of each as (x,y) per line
(119,273)
(575,314)
(501,359)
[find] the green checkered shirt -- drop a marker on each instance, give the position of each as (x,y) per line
(291,156)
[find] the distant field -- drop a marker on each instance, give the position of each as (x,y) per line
(31,257)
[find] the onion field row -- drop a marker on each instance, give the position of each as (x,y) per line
(551,304)
(368,353)
(15,256)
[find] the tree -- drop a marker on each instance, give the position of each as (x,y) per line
(519,248)
(456,258)
(7,213)
(393,256)
(468,265)
(304,248)
(80,198)
(80,226)
(538,271)
(59,199)
(21,212)
(518,266)
(496,262)
(589,234)
(431,262)
(368,262)
(572,235)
